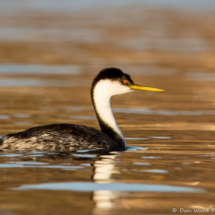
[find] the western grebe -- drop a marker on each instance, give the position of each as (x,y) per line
(70,137)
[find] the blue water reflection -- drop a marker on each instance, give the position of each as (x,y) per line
(90,187)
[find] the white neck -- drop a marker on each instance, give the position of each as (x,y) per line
(103,92)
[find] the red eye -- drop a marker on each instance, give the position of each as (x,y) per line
(125,81)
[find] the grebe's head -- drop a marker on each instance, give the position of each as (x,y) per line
(112,81)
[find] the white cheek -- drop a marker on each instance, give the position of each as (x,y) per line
(107,88)
(118,89)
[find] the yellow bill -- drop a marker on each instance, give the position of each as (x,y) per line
(138,87)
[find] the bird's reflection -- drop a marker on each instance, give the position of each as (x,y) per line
(104,167)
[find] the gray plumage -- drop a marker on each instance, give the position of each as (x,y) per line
(58,137)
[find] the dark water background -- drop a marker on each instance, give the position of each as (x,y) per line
(49,53)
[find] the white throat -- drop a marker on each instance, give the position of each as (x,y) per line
(103,92)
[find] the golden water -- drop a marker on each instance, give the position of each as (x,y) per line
(48,61)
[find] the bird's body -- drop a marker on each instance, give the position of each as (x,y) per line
(69,137)
(59,137)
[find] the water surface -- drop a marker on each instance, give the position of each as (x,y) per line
(48,59)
